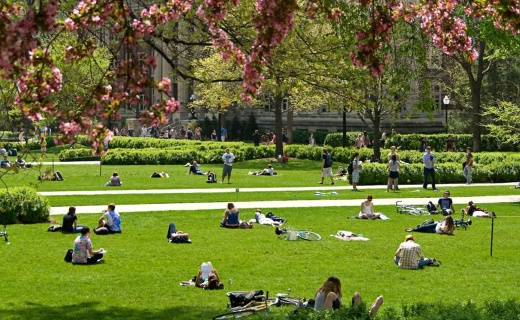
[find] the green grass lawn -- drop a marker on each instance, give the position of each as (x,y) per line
(141,275)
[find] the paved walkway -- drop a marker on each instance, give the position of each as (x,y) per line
(326,200)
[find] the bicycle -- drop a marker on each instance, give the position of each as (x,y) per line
(410,209)
(293,235)
(261,305)
(4,234)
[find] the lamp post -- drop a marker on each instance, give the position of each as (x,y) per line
(446,102)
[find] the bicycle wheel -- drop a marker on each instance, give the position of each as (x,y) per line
(235,315)
(309,235)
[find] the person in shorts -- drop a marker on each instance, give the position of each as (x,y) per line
(326,166)
(228,158)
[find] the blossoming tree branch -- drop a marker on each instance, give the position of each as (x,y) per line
(28,63)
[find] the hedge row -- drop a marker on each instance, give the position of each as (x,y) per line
(153,151)
(492,309)
(23,205)
(436,141)
(373,174)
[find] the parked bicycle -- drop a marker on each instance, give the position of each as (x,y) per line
(411,209)
(4,234)
(294,235)
(262,304)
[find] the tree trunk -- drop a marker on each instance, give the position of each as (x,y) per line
(290,124)
(377,133)
(278,124)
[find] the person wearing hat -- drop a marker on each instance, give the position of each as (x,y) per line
(468,166)
(407,254)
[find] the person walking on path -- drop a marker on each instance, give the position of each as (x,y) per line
(326,166)
(468,166)
(429,168)
(228,158)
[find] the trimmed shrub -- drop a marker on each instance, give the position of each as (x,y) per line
(23,205)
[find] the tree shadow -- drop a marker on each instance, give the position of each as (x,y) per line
(92,310)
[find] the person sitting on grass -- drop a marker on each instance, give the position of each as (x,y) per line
(83,252)
(195,168)
(367,209)
(115,181)
(445,204)
(70,222)
(20,162)
(231,217)
(5,163)
(268,171)
(329,296)
(341,172)
(177,236)
(407,254)
(112,223)
(445,226)
(207,277)
(474,211)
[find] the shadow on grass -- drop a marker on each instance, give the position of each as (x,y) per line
(91,310)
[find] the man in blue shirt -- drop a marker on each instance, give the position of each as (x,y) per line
(223,134)
(5,162)
(445,204)
(429,168)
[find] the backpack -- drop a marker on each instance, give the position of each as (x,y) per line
(57,176)
(54,228)
(211,178)
(328,160)
(68,256)
(431,207)
(241,298)
(350,168)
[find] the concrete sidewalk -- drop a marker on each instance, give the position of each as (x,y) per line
(269,205)
(226,188)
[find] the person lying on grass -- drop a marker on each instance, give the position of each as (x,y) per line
(474,211)
(268,171)
(177,236)
(263,220)
(445,226)
(207,277)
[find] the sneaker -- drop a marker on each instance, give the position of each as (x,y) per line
(320,182)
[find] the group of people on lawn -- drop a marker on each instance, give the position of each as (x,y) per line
(83,252)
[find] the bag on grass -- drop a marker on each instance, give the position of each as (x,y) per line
(68,256)
(241,298)
(57,176)
(431,207)
(54,228)
(211,178)
(101,231)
